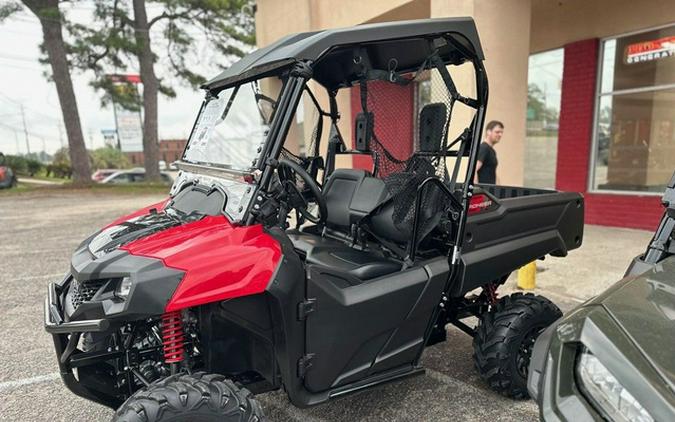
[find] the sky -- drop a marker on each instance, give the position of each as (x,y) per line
(23,83)
(545,71)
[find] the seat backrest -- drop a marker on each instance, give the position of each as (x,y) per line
(338,193)
(432,124)
(350,194)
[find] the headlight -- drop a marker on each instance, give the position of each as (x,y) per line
(123,288)
(606,392)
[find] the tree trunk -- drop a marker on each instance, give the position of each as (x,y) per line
(150,88)
(48,13)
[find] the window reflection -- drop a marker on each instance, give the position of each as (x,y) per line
(543,112)
(635,116)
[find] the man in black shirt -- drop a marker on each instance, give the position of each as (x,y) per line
(486,166)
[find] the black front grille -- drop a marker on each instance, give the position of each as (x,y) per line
(84,291)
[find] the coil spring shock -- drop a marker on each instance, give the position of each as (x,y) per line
(173,337)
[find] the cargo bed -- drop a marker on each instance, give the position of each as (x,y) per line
(508,227)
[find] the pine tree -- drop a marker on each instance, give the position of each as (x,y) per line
(124,38)
(52,22)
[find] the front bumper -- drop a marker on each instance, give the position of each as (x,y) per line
(82,375)
(552,381)
(54,321)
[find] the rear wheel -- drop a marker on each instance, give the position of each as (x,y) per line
(504,339)
(198,397)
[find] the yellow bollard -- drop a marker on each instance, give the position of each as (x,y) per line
(527,275)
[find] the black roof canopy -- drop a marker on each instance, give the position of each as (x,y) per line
(331,50)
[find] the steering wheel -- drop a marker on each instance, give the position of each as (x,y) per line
(300,197)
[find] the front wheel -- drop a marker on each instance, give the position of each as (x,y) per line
(198,397)
(504,339)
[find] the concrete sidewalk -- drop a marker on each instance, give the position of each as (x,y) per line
(601,261)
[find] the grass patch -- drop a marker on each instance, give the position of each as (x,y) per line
(18,189)
(112,189)
(43,176)
(130,188)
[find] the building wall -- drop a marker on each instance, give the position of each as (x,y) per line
(504,29)
(170,150)
(510,30)
(560,22)
(574,146)
(506,51)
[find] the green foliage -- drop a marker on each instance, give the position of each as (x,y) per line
(61,170)
(61,156)
(33,166)
(16,163)
(7,9)
(23,166)
(109,158)
(175,32)
(537,104)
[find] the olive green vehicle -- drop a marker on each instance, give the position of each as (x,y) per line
(613,358)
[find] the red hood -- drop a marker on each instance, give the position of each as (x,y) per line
(220,260)
(143,211)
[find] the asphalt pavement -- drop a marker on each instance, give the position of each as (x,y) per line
(39,231)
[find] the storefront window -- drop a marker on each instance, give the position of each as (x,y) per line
(635,117)
(543,112)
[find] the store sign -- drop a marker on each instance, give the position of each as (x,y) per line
(128,123)
(129,129)
(650,50)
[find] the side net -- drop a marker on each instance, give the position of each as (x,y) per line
(408,120)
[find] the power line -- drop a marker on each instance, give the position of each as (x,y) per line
(35,69)
(31,133)
(8,56)
(20,104)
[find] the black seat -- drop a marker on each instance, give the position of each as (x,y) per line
(350,194)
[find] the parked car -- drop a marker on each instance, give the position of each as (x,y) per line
(133,176)
(101,174)
(181,310)
(7,176)
(613,358)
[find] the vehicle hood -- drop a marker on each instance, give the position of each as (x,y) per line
(221,260)
(644,307)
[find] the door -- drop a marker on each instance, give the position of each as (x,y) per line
(361,330)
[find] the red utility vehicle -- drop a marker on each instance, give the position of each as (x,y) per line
(182,309)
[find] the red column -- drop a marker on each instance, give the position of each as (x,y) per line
(576,115)
(575,135)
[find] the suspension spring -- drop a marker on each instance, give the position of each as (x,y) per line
(491,293)
(173,337)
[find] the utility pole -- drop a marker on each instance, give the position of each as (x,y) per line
(16,140)
(25,130)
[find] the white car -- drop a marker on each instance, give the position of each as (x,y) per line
(134,176)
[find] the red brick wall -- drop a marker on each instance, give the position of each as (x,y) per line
(574,146)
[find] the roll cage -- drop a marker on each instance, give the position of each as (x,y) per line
(357,64)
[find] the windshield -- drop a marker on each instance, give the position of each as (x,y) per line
(232,126)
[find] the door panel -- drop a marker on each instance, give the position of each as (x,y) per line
(360,330)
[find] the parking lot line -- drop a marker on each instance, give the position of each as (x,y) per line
(8,385)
